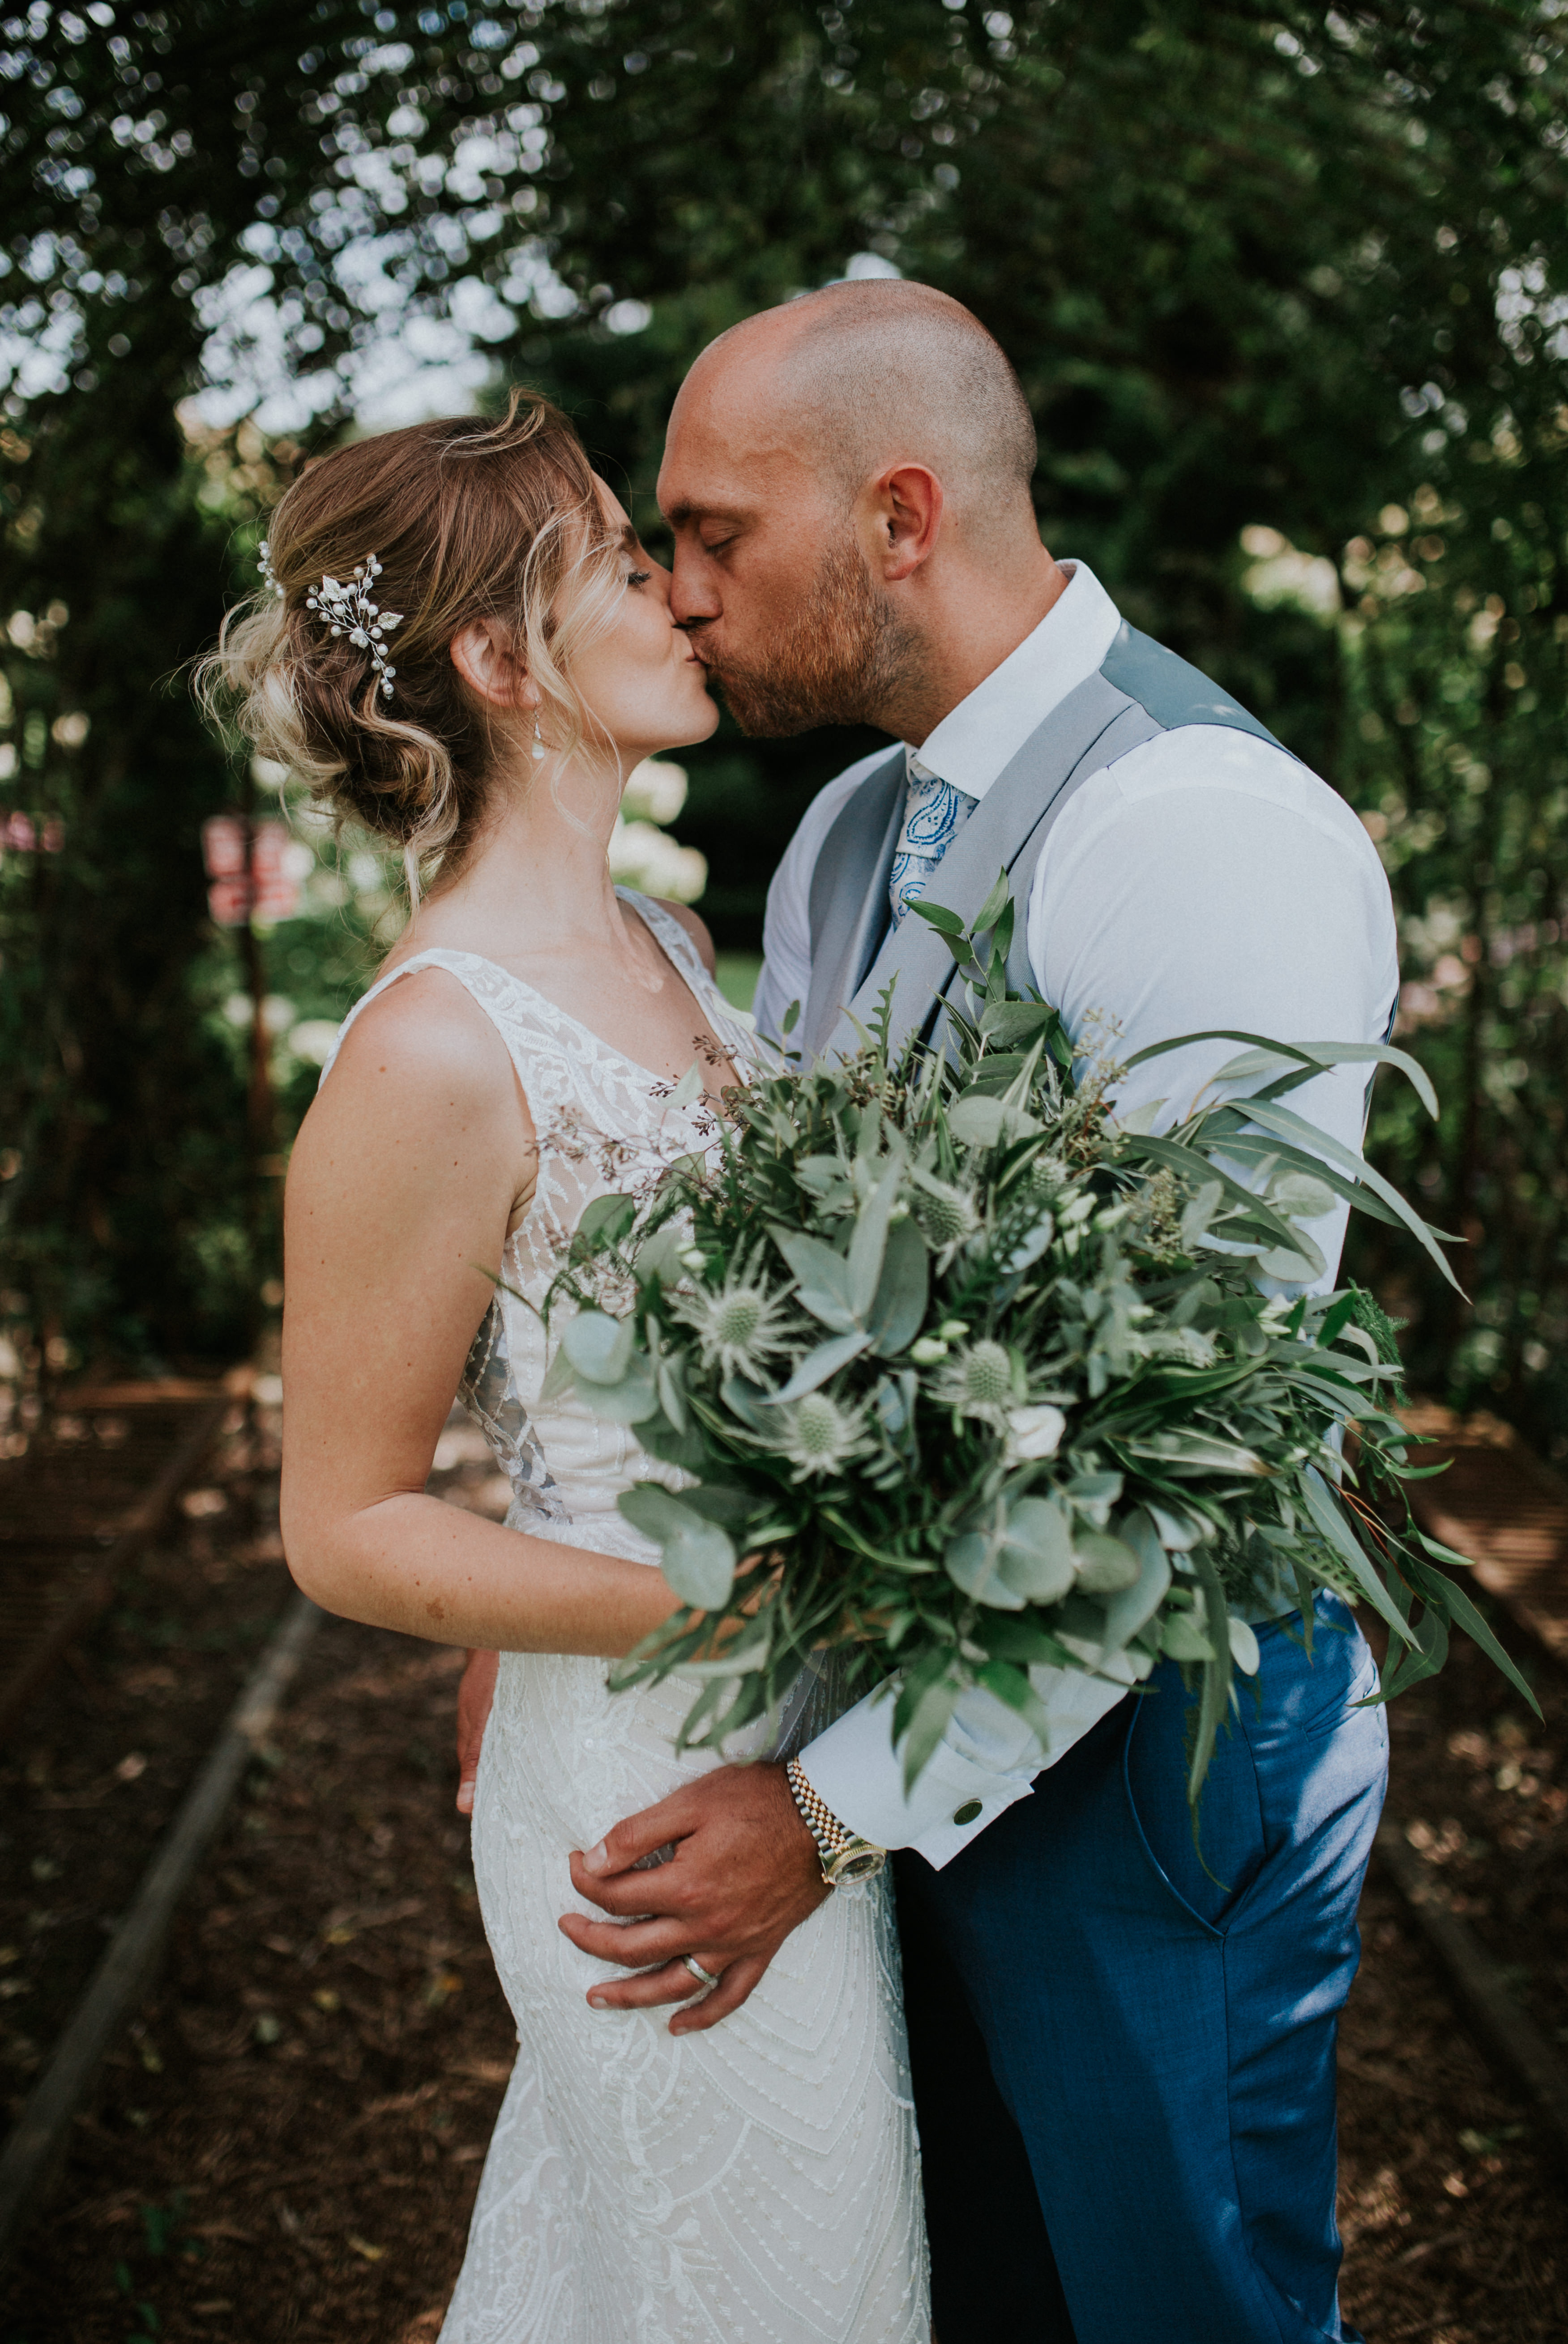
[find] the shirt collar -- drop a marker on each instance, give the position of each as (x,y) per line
(978,739)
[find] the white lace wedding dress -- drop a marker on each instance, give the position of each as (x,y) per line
(758,2182)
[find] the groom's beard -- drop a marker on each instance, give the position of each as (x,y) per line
(841,658)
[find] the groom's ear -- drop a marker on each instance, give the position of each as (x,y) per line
(905,511)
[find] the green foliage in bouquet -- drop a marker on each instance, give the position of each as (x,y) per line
(987,1379)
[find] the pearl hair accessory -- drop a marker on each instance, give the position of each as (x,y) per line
(348,610)
(268,575)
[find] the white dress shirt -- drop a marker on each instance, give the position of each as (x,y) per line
(1204,880)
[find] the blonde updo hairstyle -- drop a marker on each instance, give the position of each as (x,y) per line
(469,520)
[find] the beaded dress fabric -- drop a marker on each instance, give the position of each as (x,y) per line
(758,2182)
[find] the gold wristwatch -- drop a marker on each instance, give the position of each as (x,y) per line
(844,1855)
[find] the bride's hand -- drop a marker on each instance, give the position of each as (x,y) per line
(475,1694)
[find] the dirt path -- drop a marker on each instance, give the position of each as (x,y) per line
(288,2139)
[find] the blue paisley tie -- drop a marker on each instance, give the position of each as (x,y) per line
(934,814)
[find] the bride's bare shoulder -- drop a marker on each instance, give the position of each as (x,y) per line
(421,1111)
(424,1038)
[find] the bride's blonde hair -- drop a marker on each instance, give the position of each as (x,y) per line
(468,520)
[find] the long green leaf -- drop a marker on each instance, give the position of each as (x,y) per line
(1331,1523)
(1224,1133)
(1290,1125)
(1465,1615)
(1324,1055)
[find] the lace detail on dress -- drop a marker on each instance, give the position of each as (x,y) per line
(489,1392)
(757,2184)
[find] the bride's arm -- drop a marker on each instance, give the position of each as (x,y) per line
(407,1172)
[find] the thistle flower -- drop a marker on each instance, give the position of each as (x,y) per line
(817,1436)
(945,1214)
(977,1382)
(739,1325)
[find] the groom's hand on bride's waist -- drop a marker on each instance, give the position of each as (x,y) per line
(744,1872)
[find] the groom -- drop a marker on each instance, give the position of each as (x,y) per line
(1122,2051)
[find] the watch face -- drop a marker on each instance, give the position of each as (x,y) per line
(862,1864)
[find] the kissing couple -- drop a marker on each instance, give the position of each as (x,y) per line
(1016,2014)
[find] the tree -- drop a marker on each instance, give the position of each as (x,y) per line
(1249,261)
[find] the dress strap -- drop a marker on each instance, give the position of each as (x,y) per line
(672,938)
(736,1028)
(456,964)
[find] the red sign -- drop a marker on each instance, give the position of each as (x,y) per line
(270,890)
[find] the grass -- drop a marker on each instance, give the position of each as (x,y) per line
(737,974)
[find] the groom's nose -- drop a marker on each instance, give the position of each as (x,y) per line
(694,599)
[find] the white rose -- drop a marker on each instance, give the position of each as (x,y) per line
(1034,1433)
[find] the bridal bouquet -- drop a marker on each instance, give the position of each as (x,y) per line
(980,1377)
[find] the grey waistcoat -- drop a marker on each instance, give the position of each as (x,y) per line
(1140,690)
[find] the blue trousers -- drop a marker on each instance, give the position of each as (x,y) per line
(1124,2061)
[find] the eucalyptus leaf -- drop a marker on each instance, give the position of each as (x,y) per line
(605,1221)
(1183,1639)
(817,1366)
(976,1120)
(719,1501)
(974,1563)
(1133,1607)
(899,1305)
(1094,1495)
(1105,1565)
(1291,1267)
(1036,1558)
(659,1255)
(699,1560)
(669,1382)
(635,1396)
(599,1348)
(748,1401)
(1179,1532)
(1244,1647)
(823,1278)
(1302,1197)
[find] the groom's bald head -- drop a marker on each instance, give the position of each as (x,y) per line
(847,479)
(863,376)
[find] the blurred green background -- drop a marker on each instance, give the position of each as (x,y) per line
(1285,289)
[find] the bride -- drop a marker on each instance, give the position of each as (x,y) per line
(465,650)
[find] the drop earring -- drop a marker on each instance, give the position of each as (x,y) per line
(538,743)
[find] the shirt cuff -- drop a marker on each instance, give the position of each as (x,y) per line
(985,1762)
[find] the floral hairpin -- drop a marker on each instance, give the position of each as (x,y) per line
(268,575)
(348,610)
